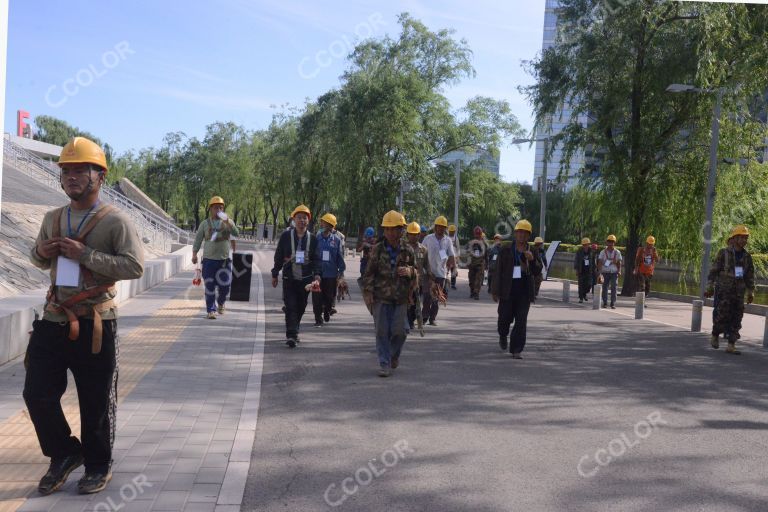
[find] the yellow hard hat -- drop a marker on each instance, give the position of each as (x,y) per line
(330,219)
(452,228)
(441,221)
(585,240)
(523,225)
(216,200)
(301,209)
(538,240)
(402,220)
(82,151)
(741,229)
(414,228)
(651,240)
(611,238)
(393,219)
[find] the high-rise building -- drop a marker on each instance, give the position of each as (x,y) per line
(570,175)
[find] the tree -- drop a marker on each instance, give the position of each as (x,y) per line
(58,132)
(614,68)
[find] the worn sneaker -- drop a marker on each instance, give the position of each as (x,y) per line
(93,482)
(291,342)
(432,322)
(58,472)
(613,306)
(731,349)
(503,342)
(384,371)
(605,305)
(516,355)
(211,315)
(221,309)
(581,300)
(714,341)
(318,323)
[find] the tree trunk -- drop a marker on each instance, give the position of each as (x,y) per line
(628,268)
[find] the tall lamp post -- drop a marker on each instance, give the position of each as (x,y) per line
(711,181)
(542,184)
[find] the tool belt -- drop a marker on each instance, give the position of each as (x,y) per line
(73,307)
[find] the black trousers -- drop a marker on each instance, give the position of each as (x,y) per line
(324,301)
(514,311)
(50,355)
(585,285)
(295,298)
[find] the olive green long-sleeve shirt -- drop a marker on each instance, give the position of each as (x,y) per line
(113,253)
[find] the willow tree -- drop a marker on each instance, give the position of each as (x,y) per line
(614,66)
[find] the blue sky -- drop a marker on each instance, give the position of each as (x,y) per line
(129,72)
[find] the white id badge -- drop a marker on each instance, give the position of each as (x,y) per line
(443,255)
(214,236)
(517,272)
(326,255)
(648,260)
(67,272)
(477,253)
(494,257)
(586,262)
(739,272)
(300,257)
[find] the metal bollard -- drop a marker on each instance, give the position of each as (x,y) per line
(597,296)
(698,308)
(639,305)
(765,332)
(566,291)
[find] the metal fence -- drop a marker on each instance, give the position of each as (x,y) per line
(152,228)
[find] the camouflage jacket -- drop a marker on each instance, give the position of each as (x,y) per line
(478,252)
(422,264)
(722,275)
(381,279)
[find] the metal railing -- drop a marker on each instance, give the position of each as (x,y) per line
(152,228)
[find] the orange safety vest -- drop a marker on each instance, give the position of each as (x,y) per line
(645,260)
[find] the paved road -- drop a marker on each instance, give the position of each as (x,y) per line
(604,413)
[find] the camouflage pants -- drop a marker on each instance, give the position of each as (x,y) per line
(727,314)
(476,273)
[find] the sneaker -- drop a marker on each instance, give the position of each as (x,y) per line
(211,315)
(58,472)
(503,342)
(394,363)
(731,349)
(516,355)
(333,311)
(453,287)
(613,307)
(581,300)
(477,297)
(327,316)
(318,323)
(605,305)
(291,342)
(93,482)
(221,309)
(714,341)
(432,322)
(384,371)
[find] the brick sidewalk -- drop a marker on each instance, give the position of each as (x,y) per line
(183,435)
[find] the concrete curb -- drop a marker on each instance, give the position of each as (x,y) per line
(18,312)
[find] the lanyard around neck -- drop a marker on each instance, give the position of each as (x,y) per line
(79,226)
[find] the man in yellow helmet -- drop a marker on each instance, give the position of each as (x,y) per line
(493,259)
(425,275)
(330,252)
(387,284)
(442,259)
(297,258)
(87,246)
(585,265)
(513,288)
(609,267)
(477,249)
(216,232)
(454,237)
(730,278)
(645,263)
(540,254)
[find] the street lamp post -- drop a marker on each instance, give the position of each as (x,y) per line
(457,165)
(711,181)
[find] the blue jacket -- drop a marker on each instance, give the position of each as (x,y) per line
(334,266)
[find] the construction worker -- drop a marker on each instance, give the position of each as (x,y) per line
(330,253)
(297,257)
(216,231)
(477,248)
(645,263)
(540,254)
(730,278)
(422,234)
(88,246)
(514,289)
(609,268)
(442,259)
(364,247)
(585,265)
(455,241)
(493,256)
(387,285)
(422,267)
